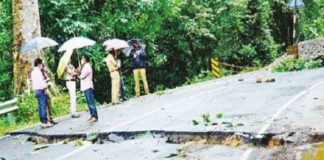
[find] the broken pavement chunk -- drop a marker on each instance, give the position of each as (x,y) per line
(258,80)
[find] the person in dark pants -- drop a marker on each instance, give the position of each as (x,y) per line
(122,95)
(40,86)
(86,77)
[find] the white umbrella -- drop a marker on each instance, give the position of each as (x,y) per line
(115,44)
(37,44)
(75,43)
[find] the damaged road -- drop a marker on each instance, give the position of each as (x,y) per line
(277,120)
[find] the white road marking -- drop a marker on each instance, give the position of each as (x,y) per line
(143,116)
(247,153)
(86,145)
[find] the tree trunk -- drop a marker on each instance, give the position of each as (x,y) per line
(26,25)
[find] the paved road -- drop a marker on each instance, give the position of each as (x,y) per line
(291,106)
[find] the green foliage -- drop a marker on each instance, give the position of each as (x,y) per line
(297,64)
(6,65)
(206,118)
(219,115)
(311,20)
(202,76)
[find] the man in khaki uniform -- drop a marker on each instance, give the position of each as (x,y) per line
(70,78)
(114,74)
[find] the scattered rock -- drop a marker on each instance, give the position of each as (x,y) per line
(226,123)
(270,80)
(229,125)
(258,80)
(1,158)
(214,124)
(155,151)
(171,155)
(315,98)
(241,79)
(239,124)
(311,49)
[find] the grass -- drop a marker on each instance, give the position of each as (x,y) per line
(293,64)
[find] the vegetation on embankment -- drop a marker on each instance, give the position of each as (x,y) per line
(181,36)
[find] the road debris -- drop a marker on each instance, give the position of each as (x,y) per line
(155,151)
(270,80)
(40,147)
(258,80)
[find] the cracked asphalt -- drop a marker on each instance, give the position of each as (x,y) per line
(294,103)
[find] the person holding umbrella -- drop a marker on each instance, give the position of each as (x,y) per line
(137,55)
(70,79)
(112,45)
(86,78)
(114,74)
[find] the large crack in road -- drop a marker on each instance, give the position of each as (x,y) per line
(283,144)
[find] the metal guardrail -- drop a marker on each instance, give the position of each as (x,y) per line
(7,108)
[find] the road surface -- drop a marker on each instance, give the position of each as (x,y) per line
(277,120)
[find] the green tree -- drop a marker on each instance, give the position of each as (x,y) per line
(6,65)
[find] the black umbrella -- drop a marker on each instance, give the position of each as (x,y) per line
(131,43)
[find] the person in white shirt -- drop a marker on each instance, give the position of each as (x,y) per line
(39,86)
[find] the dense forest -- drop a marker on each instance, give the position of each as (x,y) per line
(181,35)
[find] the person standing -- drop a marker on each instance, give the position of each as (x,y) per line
(139,71)
(85,77)
(70,79)
(48,96)
(114,74)
(122,96)
(39,86)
